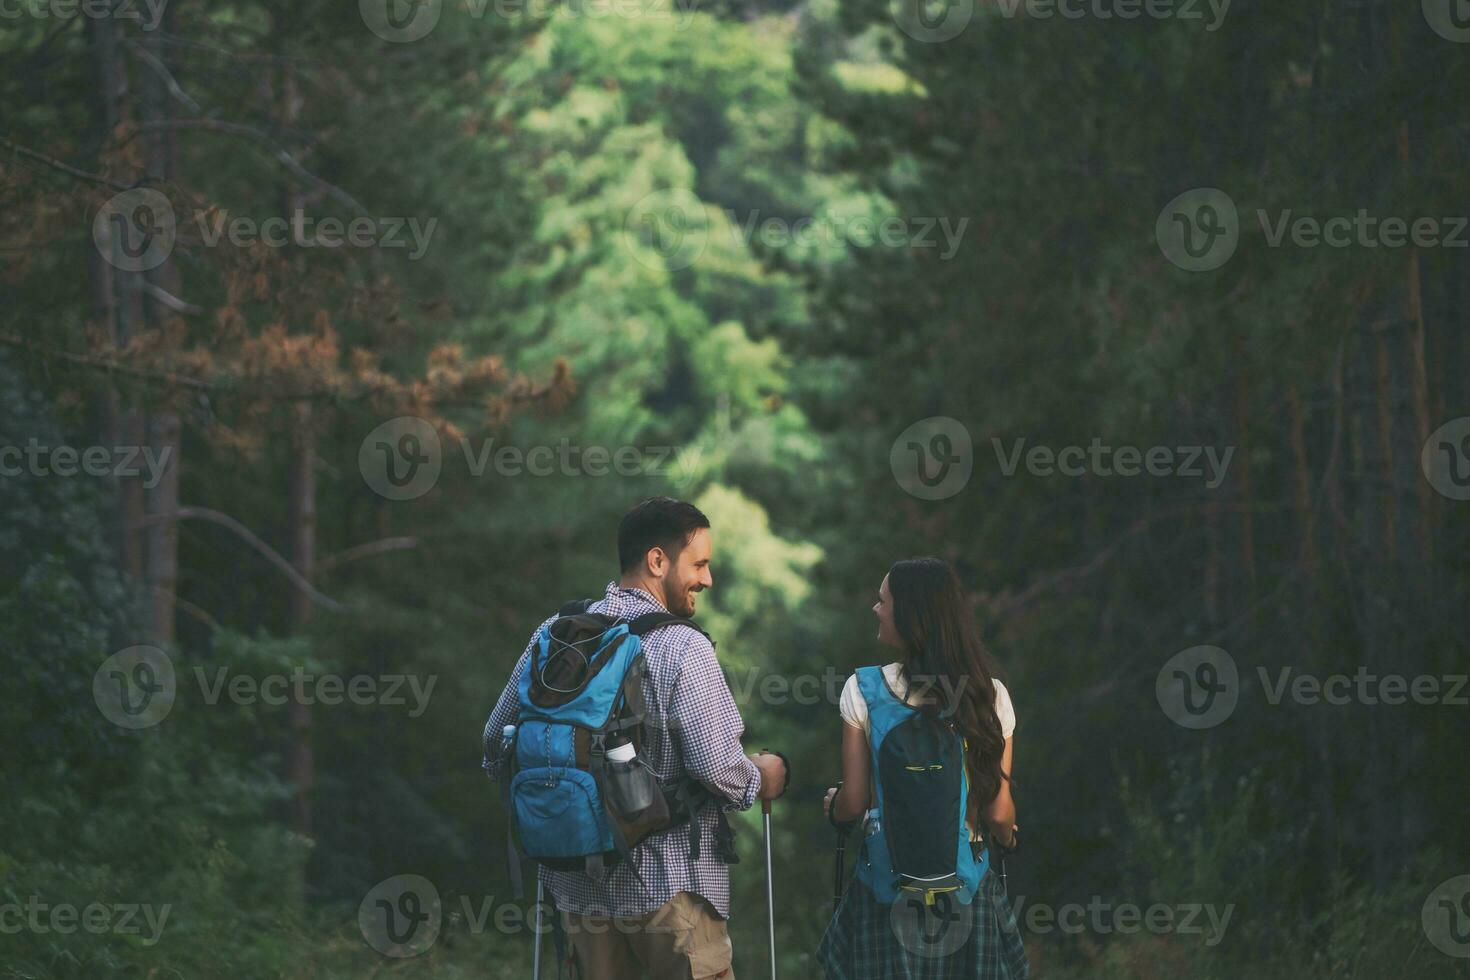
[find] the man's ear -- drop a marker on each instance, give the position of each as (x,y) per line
(657,562)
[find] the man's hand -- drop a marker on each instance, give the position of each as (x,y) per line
(773,774)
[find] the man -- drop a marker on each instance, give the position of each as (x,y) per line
(668,918)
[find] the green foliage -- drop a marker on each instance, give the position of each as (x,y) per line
(671,207)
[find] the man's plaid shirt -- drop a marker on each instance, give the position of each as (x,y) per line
(699,735)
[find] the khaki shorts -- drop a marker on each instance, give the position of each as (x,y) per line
(683,939)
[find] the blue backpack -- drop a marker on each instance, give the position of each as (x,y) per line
(917,842)
(573,808)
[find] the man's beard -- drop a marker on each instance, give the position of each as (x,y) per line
(683,604)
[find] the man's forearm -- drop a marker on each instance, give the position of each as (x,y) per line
(736,785)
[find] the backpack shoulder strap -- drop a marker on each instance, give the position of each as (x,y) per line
(649,622)
(874,686)
(575,608)
(885,710)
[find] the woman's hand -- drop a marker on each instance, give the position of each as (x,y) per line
(827,802)
(1005,838)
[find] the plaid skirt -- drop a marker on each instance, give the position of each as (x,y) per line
(906,941)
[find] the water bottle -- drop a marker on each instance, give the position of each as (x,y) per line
(620,749)
(631,785)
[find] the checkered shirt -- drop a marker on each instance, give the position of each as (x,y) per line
(699,735)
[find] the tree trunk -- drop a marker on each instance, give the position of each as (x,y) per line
(116,295)
(164,426)
(303,557)
(302,516)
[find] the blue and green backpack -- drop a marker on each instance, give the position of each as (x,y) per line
(917,843)
(573,808)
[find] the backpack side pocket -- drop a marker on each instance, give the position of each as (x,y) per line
(635,799)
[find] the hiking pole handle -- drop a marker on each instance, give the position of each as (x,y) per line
(843,827)
(841,869)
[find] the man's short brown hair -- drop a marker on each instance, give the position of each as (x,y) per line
(658,522)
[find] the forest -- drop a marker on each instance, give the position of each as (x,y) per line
(335,338)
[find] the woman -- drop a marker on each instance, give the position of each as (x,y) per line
(945,676)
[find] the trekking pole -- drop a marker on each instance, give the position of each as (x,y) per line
(1001,852)
(536,957)
(770,890)
(843,830)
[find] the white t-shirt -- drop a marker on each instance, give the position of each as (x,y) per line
(854,707)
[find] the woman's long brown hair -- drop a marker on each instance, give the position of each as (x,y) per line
(944,657)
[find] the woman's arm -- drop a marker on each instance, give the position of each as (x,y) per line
(851,802)
(1000,815)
